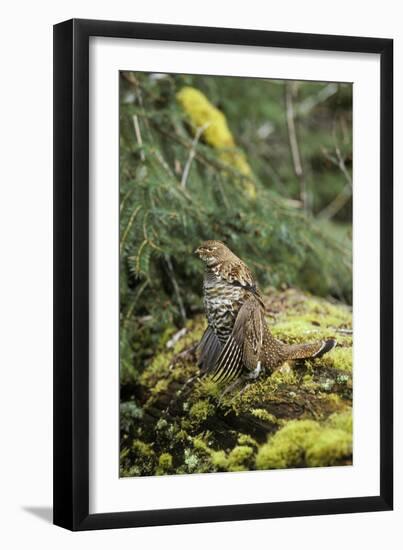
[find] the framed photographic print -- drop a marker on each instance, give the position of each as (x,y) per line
(223,274)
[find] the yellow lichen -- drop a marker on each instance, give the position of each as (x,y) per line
(215,131)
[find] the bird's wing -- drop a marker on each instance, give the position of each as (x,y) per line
(238,274)
(242,349)
(209,350)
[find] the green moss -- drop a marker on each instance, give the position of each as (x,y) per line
(303,407)
(342,421)
(219,460)
(201,410)
(286,449)
(308,383)
(308,443)
(207,388)
(246,439)
(264,415)
(138,457)
(158,366)
(142,449)
(340,358)
(239,458)
(294,330)
(181,436)
(312,318)
(201,445)
(334,400)
(283,375)
(330,448)
(161,386)
(164,463)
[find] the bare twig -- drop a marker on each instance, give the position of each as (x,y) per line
(337,203)
(192,153)
(204,159)
(176,337)
(306,106)
(345,194)
(138,136)
(339,162)
(162,161)
(139,292)
(344,330)
(292,137)
(129,77)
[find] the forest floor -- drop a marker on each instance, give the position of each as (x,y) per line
(300,416)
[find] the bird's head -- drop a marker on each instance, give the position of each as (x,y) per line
(213,252)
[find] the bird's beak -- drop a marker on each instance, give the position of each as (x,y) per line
(197,251)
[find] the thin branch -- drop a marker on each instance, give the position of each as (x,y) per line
(138,137)
(345,194)
(204,159)
(132,80)
(176,337)
(337,203)
(344,330)
(192,153)
(293,141)
(163,163)
(176,288)
(137,295)
(306,106)
(339,162)
(128,227)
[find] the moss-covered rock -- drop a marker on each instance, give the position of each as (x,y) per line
(300,416)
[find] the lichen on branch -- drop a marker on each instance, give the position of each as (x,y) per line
(202,114)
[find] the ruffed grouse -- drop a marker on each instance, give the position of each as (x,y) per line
(237,345)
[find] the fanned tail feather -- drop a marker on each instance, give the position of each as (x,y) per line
(310,351)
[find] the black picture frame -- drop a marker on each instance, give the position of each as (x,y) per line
(71,274)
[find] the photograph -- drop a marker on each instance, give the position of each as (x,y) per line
(235,274)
